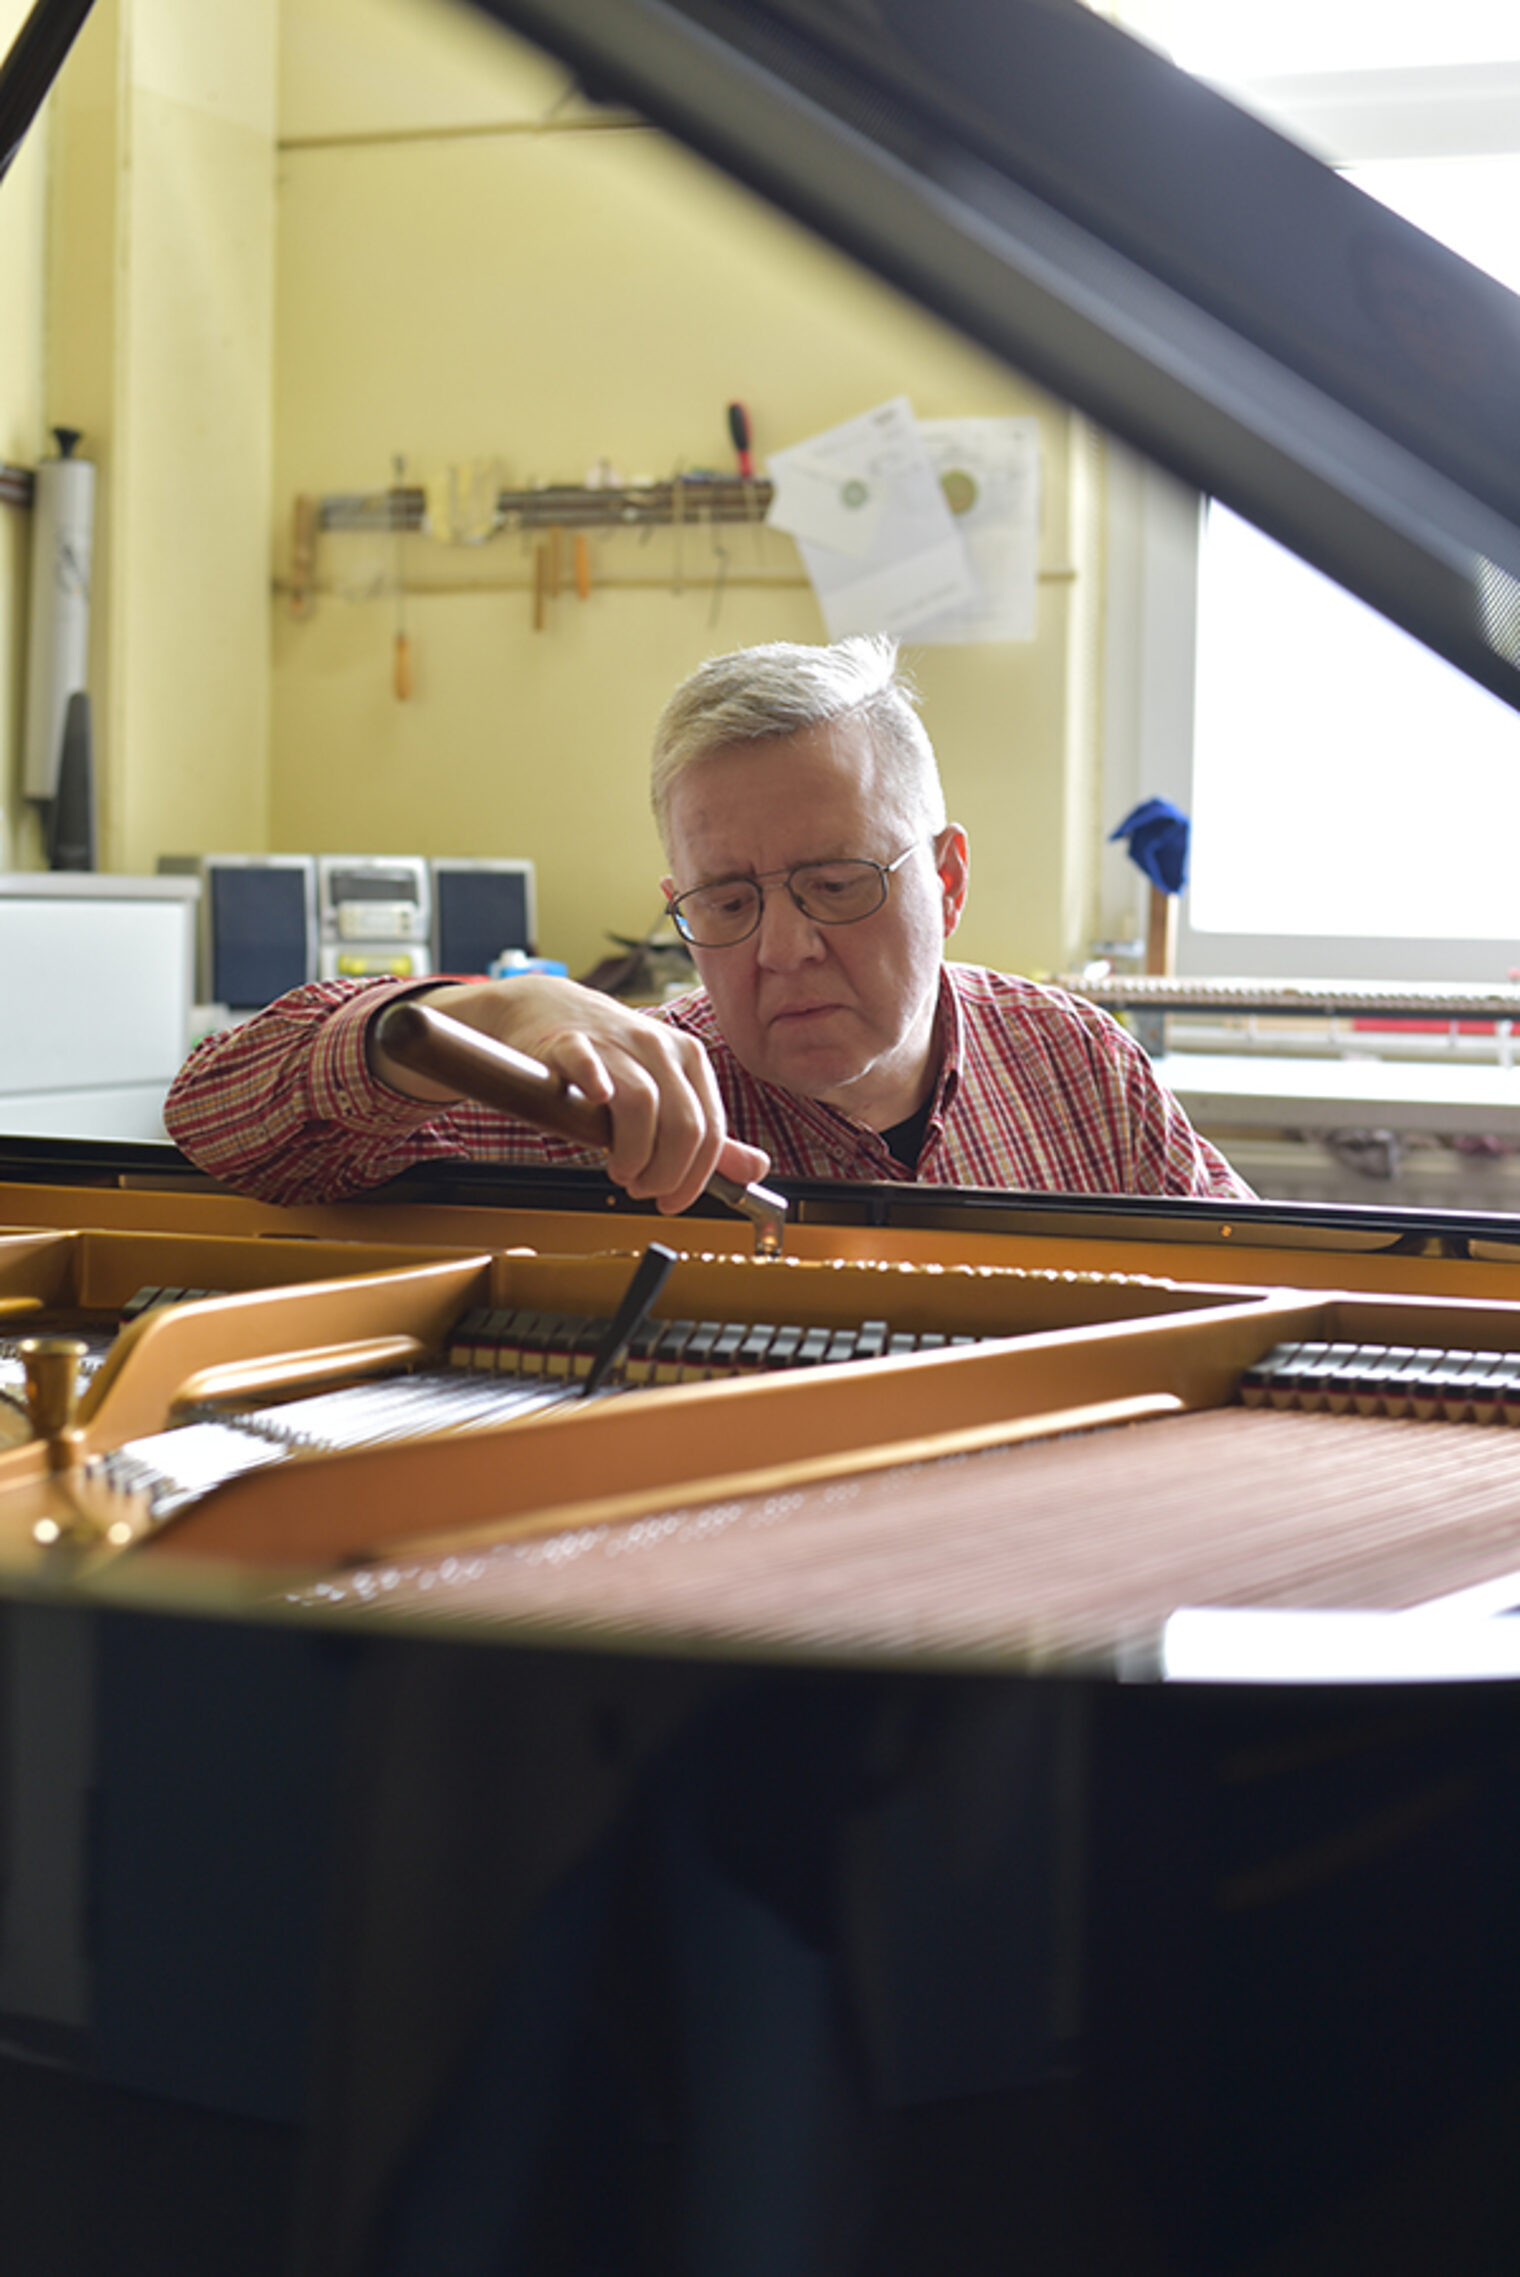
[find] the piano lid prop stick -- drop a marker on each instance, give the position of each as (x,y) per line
(478,1067)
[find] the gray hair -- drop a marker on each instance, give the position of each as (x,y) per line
(760,695)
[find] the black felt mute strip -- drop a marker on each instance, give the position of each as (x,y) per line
(640,1297)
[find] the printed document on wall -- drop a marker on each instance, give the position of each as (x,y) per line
(989,472)
(878,540)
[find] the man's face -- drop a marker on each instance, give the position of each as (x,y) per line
(842,1013)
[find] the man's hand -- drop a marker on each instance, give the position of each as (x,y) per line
(668,1132)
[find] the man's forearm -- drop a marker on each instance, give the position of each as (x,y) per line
(303,1104)
(285,1105)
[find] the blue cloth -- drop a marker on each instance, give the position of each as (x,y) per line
(1158,842)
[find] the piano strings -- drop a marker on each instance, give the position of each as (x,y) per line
(1072,1550)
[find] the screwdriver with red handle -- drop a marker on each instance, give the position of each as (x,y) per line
(738,428)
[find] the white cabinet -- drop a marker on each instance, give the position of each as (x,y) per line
(96,981)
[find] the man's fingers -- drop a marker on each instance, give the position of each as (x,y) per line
(575,1059)
(667,1116)
(744,1164)
(667,1130)
(650,1122)
(671,1152)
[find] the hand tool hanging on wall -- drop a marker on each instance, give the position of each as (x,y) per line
(678,528)
(401,663)
(740,435)
(303,554)
(720,571)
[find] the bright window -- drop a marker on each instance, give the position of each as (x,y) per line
(1241,40)
(1356,800)
(1347,782)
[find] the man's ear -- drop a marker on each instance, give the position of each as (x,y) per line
(952,859)
(667,888)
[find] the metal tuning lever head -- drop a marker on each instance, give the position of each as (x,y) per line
(477,1066)
(765,1210)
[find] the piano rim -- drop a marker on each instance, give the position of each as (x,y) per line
(149,1167)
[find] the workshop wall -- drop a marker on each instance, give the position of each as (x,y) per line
(160,246)
(414,239)
(473,264)
(22,296)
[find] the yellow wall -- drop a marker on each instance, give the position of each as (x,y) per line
(553,289)
(151,330)
(22,243)
(192,484)
(446,258)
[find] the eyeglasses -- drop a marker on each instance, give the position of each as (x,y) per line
(721,915)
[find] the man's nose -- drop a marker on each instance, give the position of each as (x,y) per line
(787,935)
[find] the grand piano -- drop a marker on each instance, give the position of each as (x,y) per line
(1030,1782)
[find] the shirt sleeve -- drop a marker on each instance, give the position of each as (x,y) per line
(1170,1157)
(285,1107)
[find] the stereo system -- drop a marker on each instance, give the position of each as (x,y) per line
(268,922)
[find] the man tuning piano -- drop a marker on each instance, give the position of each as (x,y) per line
(816,879)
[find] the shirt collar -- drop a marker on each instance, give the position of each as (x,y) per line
(950,1036)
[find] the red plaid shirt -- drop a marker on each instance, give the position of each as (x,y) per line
(1037,1092)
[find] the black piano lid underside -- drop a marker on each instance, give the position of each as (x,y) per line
(1122,234)
(30,66)
(1130,239)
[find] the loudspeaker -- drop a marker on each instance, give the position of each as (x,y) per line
(258,933)
(481,909)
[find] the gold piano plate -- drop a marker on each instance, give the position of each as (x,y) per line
(1081,1372)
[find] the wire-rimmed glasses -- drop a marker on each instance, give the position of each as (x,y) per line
(721,915)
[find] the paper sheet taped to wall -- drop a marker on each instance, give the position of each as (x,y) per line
(923,528)
(989,470)
(879,542)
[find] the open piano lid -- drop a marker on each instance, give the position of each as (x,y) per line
(1137,244)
